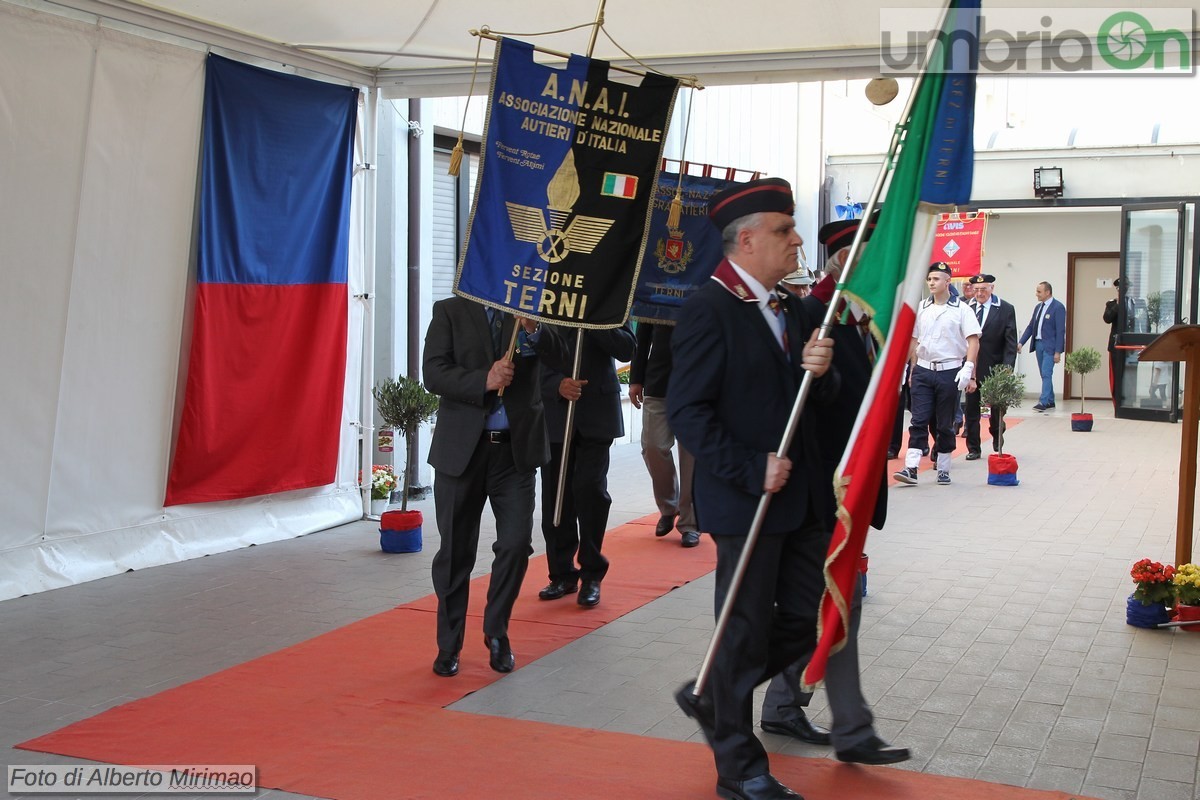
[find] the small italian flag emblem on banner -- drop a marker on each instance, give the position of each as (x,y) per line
(617,185)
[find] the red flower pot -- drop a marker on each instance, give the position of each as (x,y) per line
(1187,613)
(1081,422)
(400,532)
(1002,470)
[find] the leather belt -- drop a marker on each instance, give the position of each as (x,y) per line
(939,366)
(497,437)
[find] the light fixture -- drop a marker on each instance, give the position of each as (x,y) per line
(1047,182)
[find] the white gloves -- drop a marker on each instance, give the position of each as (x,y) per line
(964,375)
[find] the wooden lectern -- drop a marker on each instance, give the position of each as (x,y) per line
(1182,343)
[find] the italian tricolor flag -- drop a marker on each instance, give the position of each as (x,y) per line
(933,170)
(618,185)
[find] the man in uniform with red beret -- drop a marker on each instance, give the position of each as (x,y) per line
(739,358)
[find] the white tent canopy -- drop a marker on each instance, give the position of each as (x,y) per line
(424,48)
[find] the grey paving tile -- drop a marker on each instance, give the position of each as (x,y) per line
(1121,747)
(1129,723)
(1025,735)
(1113,774)
(1170,767)
(1107,792)
(1061,779)
(1155,789)
(1168,740)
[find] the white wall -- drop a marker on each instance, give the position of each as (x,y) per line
(1024,248)
(99,147)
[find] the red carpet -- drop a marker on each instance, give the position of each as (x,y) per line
(357,713)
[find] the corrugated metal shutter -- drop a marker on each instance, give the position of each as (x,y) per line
(445,226)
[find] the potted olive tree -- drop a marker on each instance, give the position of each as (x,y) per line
(1080,362)
(1001,390)
(403,405)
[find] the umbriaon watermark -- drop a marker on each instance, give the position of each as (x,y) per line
(1111,41)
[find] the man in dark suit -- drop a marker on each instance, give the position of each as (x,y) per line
(598,420)
(485,447)
(1048,330)
(649,374)
(1116,358)
(997,345)
(739,359)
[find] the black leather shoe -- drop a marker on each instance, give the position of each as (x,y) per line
(557,589)
(589,594)
(874,751)
(697,708)
(665,523)
(763,787)
(799,728)
(500,655)
(973,455)
(690,538)
(892,454)
(446,664)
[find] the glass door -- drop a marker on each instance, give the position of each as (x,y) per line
(1156,255)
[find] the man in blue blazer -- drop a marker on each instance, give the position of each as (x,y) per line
(1048,330)
(738,360)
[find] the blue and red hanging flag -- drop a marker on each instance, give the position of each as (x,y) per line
(263,401)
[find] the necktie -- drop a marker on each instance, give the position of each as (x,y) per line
(777,310)
(1037,314)
(979,313)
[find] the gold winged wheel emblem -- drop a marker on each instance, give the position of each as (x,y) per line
(558,239)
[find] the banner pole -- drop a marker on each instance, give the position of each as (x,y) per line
(566,448)
(789,432)
(596,28)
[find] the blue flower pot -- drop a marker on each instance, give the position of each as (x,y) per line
(1141,616)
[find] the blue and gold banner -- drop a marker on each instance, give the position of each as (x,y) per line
(677,261)
(566,177)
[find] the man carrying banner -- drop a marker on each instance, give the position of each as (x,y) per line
(598,420)
(485,448)
(945,345)
(734,342)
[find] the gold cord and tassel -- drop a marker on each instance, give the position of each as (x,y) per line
(456,155)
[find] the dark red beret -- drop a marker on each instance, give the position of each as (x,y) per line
(743,199)
(839,234)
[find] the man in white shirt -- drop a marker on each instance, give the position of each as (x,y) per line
(942,358)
